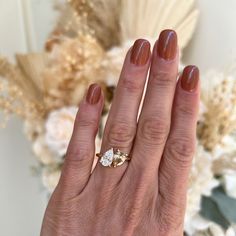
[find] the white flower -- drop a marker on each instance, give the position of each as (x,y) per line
(227,146)
(59,128)
(216,230)
(200,226)
(114,61)
(50,179)
(229,181)
(197,224)
(202,181)
(42,151)
(202,111)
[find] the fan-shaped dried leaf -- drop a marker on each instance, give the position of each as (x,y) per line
(147,18)
(33,65)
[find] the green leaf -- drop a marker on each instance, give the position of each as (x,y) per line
(210,211)
(226,204)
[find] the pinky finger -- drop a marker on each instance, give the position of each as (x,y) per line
(180,146)
(81,151)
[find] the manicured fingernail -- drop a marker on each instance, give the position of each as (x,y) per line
(140,52)
(94,94)
(190,78)
(167,45)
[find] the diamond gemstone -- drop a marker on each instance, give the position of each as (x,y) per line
(107,158)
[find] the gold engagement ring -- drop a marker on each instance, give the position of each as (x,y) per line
(113,158)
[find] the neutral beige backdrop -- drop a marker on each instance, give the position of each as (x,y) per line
(22,200)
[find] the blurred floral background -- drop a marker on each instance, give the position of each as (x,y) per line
(52,51)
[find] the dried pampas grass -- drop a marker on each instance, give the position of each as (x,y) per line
(72,66)
(148,18)
(102,17)
(220,115)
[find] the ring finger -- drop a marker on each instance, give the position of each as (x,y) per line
(121,125)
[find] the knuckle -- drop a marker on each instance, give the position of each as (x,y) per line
(169,223)
(154,131)
(121,134)
(164,79)
(133,210)
(78,155)
(170,217)
(87,123)
(170,202)
(186,109)
(180,151)
(131,84)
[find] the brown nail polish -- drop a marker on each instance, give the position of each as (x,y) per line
(190,77)
(94,94)
(167,45)
(140,52)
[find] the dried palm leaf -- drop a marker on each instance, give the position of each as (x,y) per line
(18,94)
(16,76)
(141,18)
(33,65)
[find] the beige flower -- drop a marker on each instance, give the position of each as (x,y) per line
(59,128)
(50,179)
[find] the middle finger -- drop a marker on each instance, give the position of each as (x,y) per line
(155,118)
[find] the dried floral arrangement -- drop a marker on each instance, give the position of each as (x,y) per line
(88,45)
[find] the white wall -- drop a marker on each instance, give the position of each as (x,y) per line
(214,43)
(22,202)
(12,32)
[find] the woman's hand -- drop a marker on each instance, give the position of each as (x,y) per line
(146,196)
